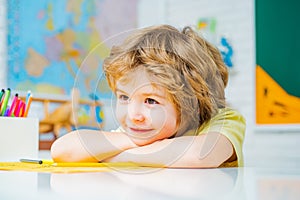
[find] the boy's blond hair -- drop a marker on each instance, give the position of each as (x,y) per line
(186,65)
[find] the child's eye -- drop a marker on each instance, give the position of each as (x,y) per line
(123,98)
(151,101)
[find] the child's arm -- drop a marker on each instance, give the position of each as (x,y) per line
(203,151)
(89,146)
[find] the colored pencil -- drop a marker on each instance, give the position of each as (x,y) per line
(17,111)
(18,101)
(1,94)
(27,105)
(13,105)
(33,161)
(5,101)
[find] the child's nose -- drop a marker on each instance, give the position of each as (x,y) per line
(136,112)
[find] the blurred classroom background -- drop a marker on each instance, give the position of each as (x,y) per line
(55,47)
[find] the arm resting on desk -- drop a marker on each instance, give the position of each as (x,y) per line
(182,152)
(204,151)
(89,146)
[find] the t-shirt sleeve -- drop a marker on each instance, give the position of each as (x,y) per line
(231,124)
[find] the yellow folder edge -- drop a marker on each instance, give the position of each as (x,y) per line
(71,167)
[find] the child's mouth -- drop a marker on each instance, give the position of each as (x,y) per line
(140,130)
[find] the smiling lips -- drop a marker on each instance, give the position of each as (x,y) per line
(140,130)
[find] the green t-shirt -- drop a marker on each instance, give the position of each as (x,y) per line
(231,124)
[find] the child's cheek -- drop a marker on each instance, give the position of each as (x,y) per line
(164,118)
(121,112)
(158,117)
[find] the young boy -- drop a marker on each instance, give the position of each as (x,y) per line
(170,106)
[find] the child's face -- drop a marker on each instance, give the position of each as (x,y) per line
(144,111)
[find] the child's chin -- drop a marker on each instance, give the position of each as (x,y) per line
(142,142)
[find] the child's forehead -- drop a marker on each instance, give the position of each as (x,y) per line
(140,84)
(135,78)
(139,81)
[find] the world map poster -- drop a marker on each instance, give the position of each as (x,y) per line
(54,46)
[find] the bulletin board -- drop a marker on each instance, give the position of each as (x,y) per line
(278,63)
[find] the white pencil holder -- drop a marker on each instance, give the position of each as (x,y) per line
(19,138)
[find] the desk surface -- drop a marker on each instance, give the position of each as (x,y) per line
(272,172)
(146,183)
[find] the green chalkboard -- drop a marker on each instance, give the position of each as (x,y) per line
(278,41)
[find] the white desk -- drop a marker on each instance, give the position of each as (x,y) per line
(272,172)
(228,183)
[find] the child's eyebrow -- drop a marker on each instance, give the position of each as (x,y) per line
(119,90)
(144,93)
(154,94)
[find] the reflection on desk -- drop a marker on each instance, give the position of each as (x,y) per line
(142,183)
